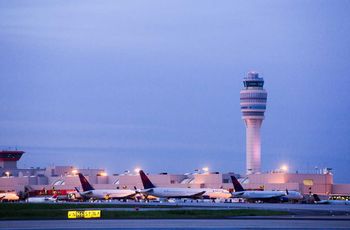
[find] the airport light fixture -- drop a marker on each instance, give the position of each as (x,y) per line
(7,173)
(205,169)
(284,168)
(103,174)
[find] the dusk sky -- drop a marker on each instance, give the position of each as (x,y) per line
(155,84)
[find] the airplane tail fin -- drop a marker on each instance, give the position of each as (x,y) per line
(85,183)
(237,186)
(146,181)
(316,198)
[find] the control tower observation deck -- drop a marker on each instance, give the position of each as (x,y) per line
(253,105)
(9,158)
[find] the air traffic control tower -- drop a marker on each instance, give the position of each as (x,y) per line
(253,106)
(9,158)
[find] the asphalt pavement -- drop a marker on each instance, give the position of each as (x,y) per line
(239,223)
(303,216)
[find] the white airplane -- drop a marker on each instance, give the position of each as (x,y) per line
(319,201)
(9,196)
(42,199)
(90,193)
(269,196)
(212,193)
(167,192)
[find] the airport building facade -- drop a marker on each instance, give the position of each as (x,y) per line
(65,179)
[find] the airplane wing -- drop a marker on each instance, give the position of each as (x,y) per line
(192,196)
(237,193)
(322,202)
(146,190)
(274,196)
(131,195)
(198,195)
(121,196)
(83,194)
(87,193)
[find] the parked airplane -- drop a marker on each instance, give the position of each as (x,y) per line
(42,199)
(319,201)
(9,196)
(167,192)
(212,193)
(90,193)
(269,196)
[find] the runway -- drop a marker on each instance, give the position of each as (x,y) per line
(237,223)
(297,209)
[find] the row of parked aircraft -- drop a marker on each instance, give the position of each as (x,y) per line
(150,190)
(193,193)
(13,196)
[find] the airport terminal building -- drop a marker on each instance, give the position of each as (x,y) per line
(64,178)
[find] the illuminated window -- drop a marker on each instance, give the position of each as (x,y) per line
(308,182)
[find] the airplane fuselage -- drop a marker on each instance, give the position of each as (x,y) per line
(174,192)
(170,192)
(258,194)
(291,195)
(217,193)
(9,196)
(41,199)
(163,192)
(340,202)
(108,193)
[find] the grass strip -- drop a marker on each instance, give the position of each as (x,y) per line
(54,213)
(189,214)
(52,206)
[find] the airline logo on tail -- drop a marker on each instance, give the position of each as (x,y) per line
(237,186)
(85,183)
(147,184)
